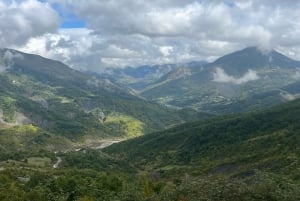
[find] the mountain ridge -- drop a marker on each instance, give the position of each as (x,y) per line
(230,79)
(62,101)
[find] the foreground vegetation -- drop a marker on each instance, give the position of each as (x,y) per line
(252,156)
(89,183)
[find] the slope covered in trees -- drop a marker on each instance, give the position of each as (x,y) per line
(235,146)
(250,156)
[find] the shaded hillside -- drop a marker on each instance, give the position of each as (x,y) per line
(235,145)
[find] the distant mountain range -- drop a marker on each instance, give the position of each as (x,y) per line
(245,80)
(59,101)
(70,105)
(139,78)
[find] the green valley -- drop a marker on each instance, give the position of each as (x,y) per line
(137,100)
(251,156)
(60,133)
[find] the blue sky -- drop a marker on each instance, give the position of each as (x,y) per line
(72,22)
(68,18)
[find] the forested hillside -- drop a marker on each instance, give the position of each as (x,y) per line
(64,103)
(252,156)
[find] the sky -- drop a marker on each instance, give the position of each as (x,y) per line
(92,35)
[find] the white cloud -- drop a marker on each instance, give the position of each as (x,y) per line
(221,76)
(115,51)
(187,26)
(21,20)
(166,50)
(137,32)
(71,46)
(10,55)
(6,60)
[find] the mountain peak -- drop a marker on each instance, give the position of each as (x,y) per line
(253,57)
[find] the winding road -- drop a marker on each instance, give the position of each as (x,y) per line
(57,162)
(101,145)
(104,144)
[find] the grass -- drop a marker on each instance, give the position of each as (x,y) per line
(124,125)
(39,161)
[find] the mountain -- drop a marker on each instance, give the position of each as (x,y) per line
(52,101)
(238,63)
(139,78)
(239,78)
